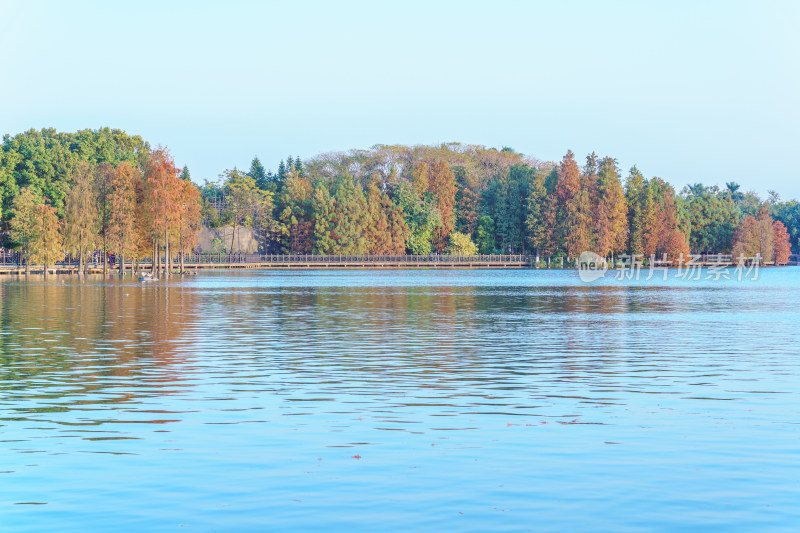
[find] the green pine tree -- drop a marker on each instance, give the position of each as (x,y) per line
(259,174)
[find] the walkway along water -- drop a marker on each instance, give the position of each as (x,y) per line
(194,262)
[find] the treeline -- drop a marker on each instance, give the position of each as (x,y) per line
(74,193)
(466,199)
(107,190)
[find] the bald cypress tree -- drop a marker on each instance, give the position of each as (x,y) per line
(377,228)
(46,243)
(81,217)
(611,210)
(295,213)
(574,208)
(324,210)
(398,228)
(442,185)
(123,201)
(635,199)
(467,198)
(351,217)
(536,222)
(22,226)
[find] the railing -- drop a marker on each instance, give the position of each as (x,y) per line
(13,259)
(715,258)
(9,258)
(327,259)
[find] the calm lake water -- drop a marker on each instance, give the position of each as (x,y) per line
(400,401)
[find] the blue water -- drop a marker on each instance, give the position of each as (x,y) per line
(400,401)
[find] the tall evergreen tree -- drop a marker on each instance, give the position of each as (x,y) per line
(281,172)
(510,209)
(185,174)
(258,173)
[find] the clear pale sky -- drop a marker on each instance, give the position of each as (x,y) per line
(688,91)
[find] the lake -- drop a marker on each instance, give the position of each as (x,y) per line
(480,400)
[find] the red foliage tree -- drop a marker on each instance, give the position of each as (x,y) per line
(781,244)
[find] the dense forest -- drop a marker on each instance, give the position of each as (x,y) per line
(75,193)
(103,189)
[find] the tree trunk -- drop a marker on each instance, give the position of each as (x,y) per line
(122,265)
(233,237)
(166,254)
(180,255)
(105,256)
(80,261)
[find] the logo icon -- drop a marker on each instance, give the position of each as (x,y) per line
(591,266)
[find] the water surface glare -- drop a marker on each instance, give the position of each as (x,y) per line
(400,401)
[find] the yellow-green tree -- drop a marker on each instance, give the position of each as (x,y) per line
(419,177)
(244,200)
(81,224)
(46,245)
(23,223)
(461,244)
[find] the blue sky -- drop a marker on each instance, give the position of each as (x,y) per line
(688,91)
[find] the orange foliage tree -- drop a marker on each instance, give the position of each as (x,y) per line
(574,207)
(162,195)
(190,214)
(755,236)
(782,247)
(123,201)
(661,229)
(442,184)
